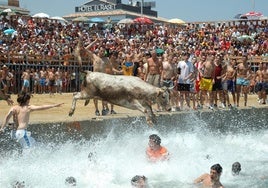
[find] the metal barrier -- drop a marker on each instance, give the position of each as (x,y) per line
(72,77)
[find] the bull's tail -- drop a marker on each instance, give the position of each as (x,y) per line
(86,102)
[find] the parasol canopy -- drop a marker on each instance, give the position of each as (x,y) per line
(245,37)
(97,20)
(176,21)
(252,15)
(159,51)
(80,19)
(40,15)
(126,21)
(143,20)
(58,18)
(9,31)
(8,12)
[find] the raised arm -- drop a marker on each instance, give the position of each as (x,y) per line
(44,107)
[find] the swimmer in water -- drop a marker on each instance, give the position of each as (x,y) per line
(18,184)
(70,181)
(156,152)
(139,181)
(236,168)
(211,180)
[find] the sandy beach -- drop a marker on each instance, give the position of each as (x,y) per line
(82,112)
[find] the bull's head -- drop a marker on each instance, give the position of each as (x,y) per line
(163,98)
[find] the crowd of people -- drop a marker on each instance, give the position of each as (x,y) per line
(201,63)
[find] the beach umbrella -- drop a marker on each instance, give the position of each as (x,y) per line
(8,11)
(80,19)
(143,20)
(159,51)
(176,21)
(252,15)
(40,15)
(240,16)
(97,20)
(245,37)
(58,18)
(126,21)
(9,31)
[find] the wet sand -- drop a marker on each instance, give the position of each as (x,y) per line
(82,112)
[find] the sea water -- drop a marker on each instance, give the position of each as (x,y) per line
(111,157)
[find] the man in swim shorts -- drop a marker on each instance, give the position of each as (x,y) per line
(206,71)
(155,152)
(26,80)
(243,80)
(21,116)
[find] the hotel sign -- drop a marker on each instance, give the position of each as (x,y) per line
(95,7)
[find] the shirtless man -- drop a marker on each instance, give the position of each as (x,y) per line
(168,77)
(112,67)
(154,69)
(211,180)
(21,117)
(6,78)
(115,64)
(51,81)
(264,86)
(229,79)
(141,70)
(26,80)
(58,78)
(128,65)
(100,62)
(206,71)
(43,75)
(243,80)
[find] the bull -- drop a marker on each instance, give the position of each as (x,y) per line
(126,91)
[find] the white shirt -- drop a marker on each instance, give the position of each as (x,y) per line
(186,69)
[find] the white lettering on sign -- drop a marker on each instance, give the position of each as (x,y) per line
(99,7)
